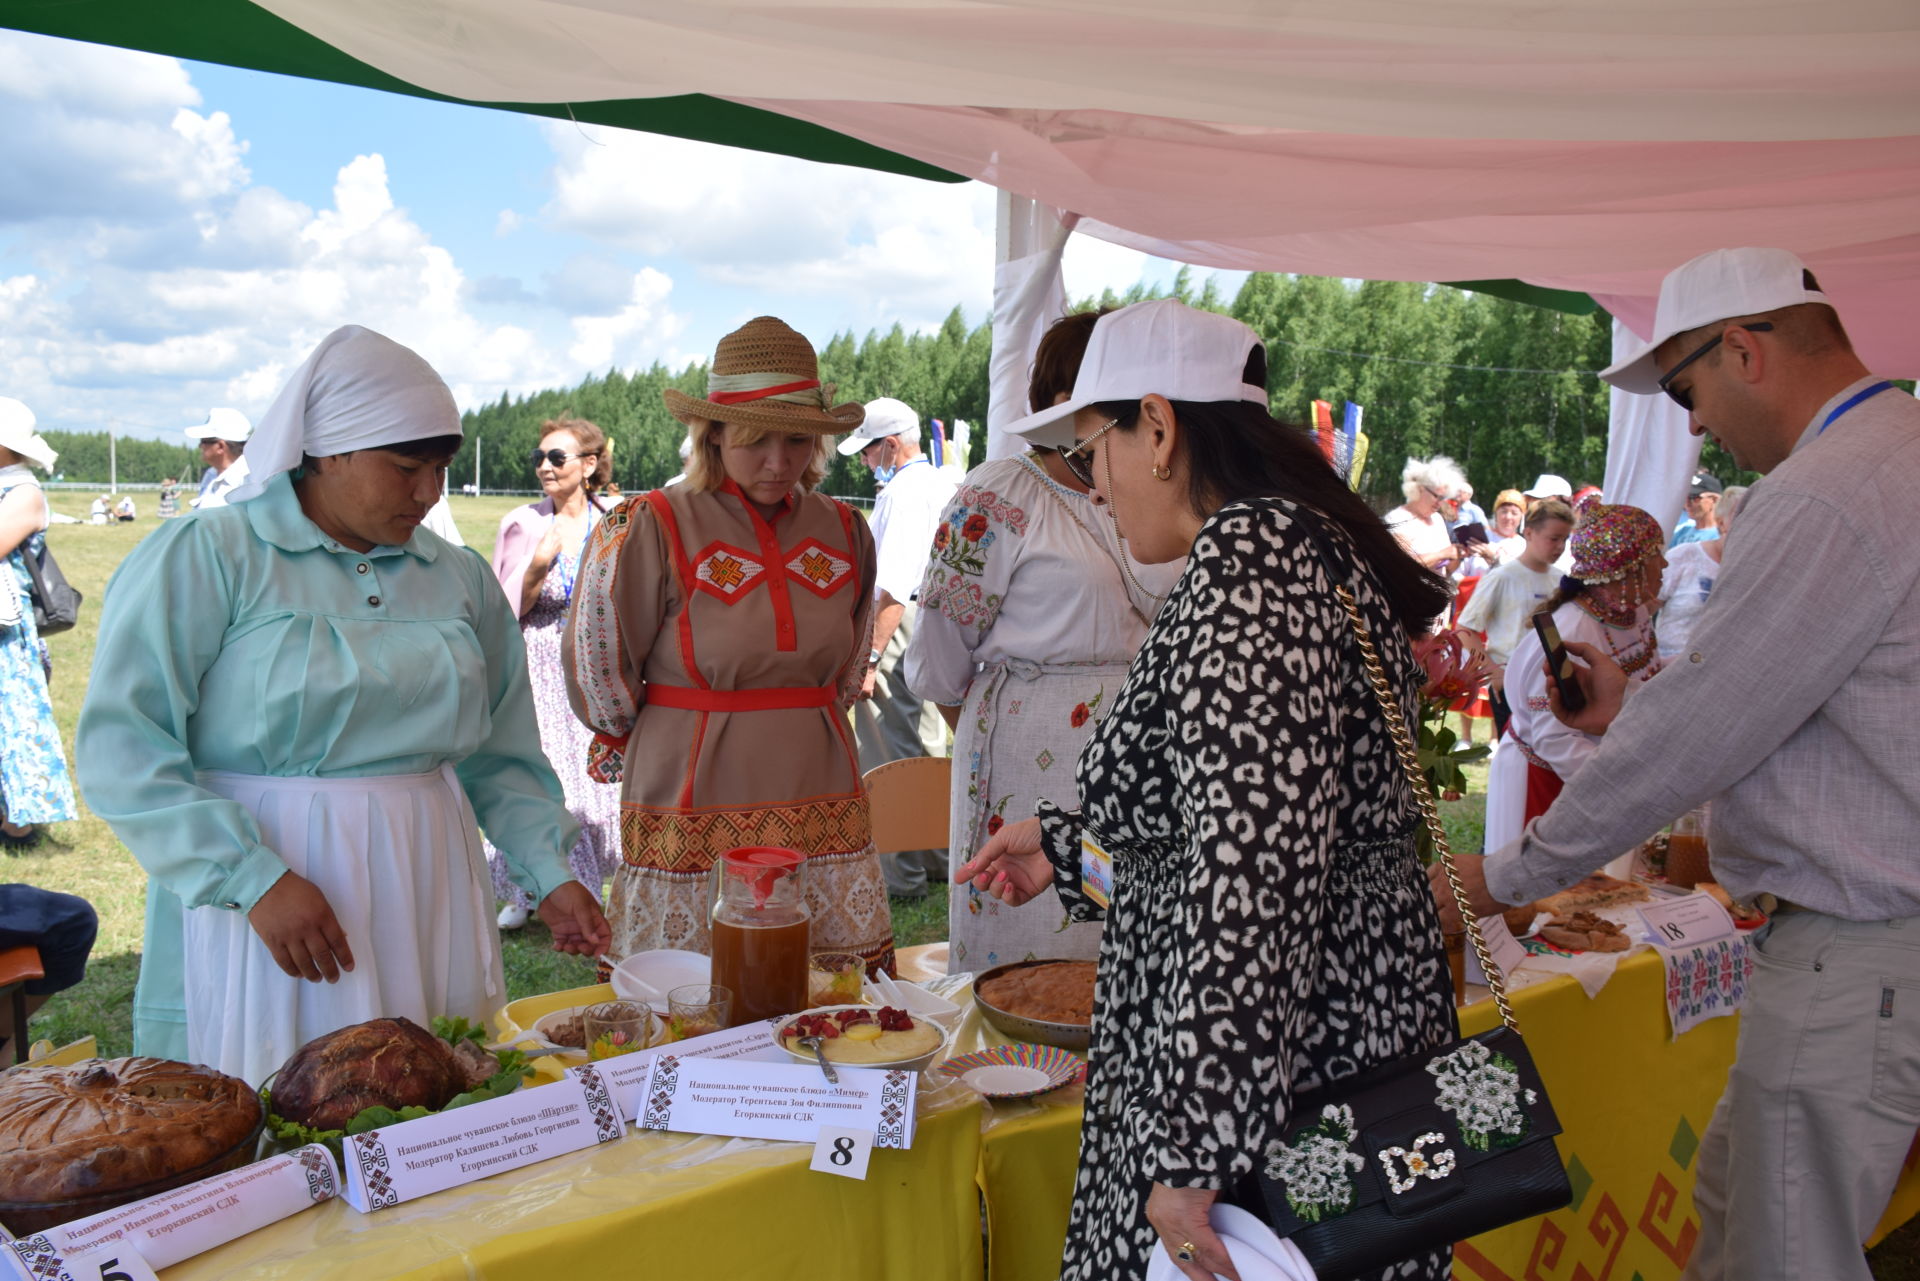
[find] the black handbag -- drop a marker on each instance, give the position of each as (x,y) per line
(1428,1149)
(56,605)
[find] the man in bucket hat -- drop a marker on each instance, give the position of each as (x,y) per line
(1800,671)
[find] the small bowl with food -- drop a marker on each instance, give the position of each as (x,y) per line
(865,1036)
(566,1031)
(1041,1002)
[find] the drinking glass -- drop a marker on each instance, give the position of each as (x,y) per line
(617,1027)
(834,978)
(697,1009)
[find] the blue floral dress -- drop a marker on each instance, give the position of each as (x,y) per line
(35,786)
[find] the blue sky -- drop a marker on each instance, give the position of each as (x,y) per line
(177,235)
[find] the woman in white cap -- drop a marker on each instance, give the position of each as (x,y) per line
(719,633)
(1242,808)
(300,704)
(35,787)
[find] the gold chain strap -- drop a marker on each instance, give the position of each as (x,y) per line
(1429,813)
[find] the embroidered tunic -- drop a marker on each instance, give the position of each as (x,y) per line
(1026,617)
(716,654)
(1270,929)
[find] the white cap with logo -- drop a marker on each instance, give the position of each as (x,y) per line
(1164,348)
(885,417)
(1715,286)
(222,424)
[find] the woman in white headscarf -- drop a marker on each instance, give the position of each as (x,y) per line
(300,705)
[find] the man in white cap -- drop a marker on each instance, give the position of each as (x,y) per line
(1549,485)
(1801,672)
(223,442)
(895,724)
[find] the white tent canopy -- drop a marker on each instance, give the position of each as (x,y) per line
(1579,146)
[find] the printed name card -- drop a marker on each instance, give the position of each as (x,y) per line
(1686,922)
(626,1074)
(743,1099)
(411,1159)
(177,1225)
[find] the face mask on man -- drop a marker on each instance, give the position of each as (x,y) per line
(883,474)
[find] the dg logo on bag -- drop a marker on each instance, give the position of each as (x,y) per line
(1405,1167)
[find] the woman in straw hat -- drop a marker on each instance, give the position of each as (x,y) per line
(1619,560)
(719,631)
(301,704)
(34,784)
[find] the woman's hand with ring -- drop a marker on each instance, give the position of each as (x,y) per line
(1010,866)
(1183,1218)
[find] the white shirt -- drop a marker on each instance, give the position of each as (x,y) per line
(216,494)
(1029,570)
(1684,588)
(440,521)
(905,517)
(1503,605)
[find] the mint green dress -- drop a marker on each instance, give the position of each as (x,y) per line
(264,698)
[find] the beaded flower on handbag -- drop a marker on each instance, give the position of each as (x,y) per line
(1430,1148)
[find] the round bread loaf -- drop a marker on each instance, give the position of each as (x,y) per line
(108,1124)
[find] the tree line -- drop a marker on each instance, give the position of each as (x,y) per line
(1506,389)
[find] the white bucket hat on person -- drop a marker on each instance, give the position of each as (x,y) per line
(1715,286)
(885,417)
(1164,348)
(1550,486)
(17,434)
(222,424)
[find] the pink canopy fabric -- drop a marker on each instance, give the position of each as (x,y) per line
(1571,144)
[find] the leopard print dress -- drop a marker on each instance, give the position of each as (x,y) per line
(1270,929)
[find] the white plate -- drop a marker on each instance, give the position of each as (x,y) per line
(1001,1080)
(649,976)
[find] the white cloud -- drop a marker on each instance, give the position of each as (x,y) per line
(164,281)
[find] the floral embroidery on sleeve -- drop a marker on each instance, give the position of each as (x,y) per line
(974,521)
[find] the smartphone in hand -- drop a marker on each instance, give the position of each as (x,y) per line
(1559,663)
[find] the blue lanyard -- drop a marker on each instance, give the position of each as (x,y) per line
(1853,400)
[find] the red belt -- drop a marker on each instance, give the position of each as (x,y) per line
(740,700)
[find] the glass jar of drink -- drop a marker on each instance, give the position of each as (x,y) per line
(761,929)
(1687,850)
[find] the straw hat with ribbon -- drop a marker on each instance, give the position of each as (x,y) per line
(766,375)
(17,434)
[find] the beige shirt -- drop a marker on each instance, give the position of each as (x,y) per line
(1798,697)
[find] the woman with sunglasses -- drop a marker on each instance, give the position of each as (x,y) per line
(537,560)
(1029,614)
(1242,814)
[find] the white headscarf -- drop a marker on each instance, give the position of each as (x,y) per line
(358,390)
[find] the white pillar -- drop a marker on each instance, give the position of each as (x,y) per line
(1028,295)
(1650,451)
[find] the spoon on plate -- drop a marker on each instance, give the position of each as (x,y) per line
(814,1043)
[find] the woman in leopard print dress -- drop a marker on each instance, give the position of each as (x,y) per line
(1269,929)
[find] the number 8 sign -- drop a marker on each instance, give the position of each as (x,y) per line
(837,1151)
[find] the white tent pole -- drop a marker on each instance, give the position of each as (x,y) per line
(1650,451)
(1028,295)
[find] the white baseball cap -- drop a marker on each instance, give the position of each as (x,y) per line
(1550,486)
(1164,348)
(1715,286)
(222,424)
(885,417)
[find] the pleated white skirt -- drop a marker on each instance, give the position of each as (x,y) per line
(400,860)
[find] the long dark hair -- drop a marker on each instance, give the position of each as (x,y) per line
(1236,450)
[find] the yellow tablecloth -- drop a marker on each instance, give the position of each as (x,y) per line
(1632,1102)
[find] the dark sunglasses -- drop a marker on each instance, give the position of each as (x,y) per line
(1684,398)
(1079,461)
(558,457)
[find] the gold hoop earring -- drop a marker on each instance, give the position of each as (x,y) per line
(1162,473)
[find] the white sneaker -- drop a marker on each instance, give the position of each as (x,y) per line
(513,916)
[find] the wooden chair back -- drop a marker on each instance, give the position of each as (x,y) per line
(910,801)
